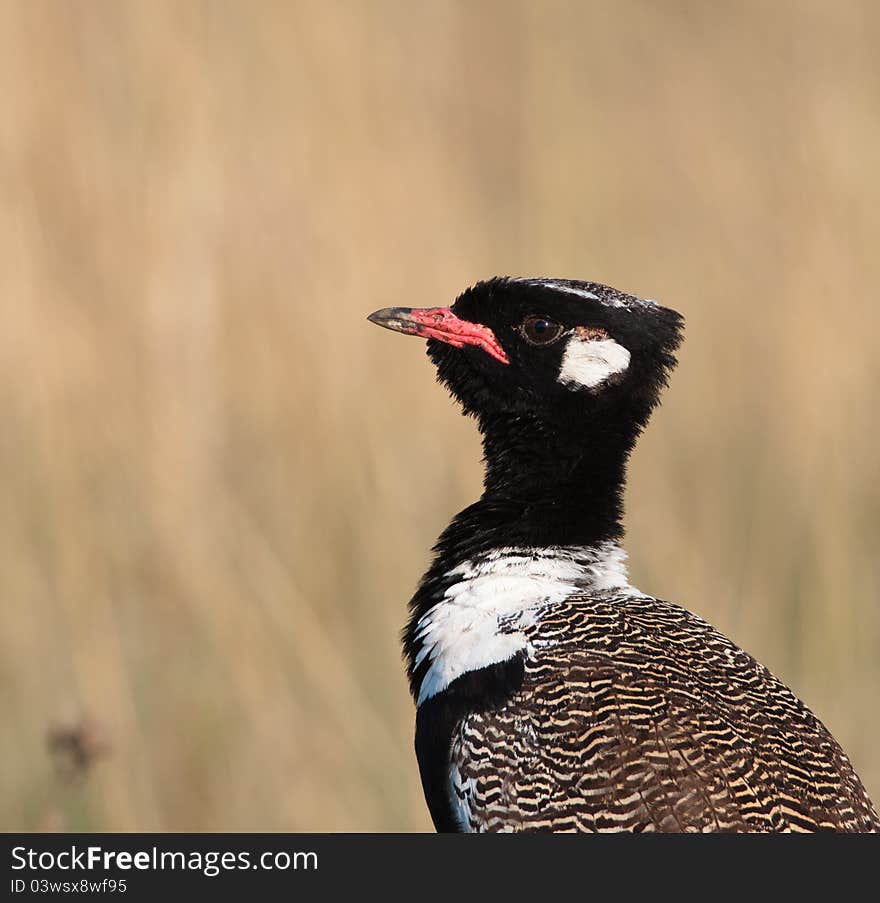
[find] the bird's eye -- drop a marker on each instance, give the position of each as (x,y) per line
(540,330)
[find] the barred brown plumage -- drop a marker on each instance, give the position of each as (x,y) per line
(636,715)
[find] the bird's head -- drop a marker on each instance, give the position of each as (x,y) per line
(560,351)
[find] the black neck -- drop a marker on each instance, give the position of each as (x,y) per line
(543,487)
(559,487)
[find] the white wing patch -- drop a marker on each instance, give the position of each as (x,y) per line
(462,632)
(587,363)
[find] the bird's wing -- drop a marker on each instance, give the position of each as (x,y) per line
(636,715)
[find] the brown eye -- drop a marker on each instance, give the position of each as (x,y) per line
(540,330)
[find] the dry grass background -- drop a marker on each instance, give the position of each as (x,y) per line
(219,485)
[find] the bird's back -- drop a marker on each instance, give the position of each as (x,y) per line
(635,715)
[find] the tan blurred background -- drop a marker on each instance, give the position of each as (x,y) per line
(219,485)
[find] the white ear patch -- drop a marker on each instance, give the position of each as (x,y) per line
(589,362)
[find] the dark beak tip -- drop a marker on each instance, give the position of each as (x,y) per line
(397,319)
(388,314)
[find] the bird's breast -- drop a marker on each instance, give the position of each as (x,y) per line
(483,614)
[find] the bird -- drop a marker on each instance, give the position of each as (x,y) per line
(551,695)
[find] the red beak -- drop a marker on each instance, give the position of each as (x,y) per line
(442,324)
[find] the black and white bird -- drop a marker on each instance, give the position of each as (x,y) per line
(551,695)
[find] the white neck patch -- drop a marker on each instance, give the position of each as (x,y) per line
(587,363)
(462,632)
